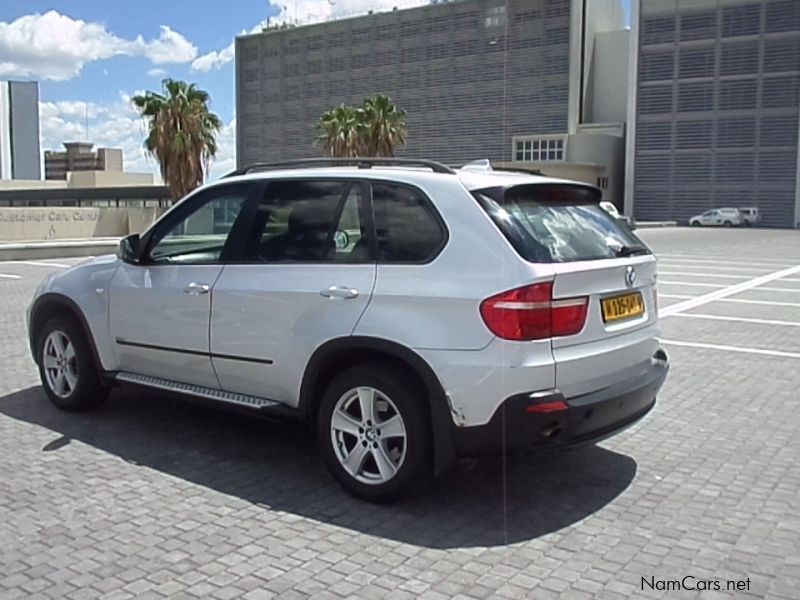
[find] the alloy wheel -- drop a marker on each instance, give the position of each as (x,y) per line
(368,435)
(60,364)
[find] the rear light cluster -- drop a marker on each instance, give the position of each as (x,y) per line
(530,313)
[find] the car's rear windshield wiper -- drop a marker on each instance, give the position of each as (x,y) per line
(630,250)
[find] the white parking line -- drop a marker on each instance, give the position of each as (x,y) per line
(741,349)
(670,265)
(737,300)
(737,319)
(723,260)
(692,283)
(779,289)
(36,263)
(688,274)
(729,291)
(9,276)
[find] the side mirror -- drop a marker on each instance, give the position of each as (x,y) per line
(128,250)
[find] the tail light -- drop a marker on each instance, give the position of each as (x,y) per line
(530,313)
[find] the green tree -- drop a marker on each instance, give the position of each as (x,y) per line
(373,129)
(341,131)
(181,133)
(384,126)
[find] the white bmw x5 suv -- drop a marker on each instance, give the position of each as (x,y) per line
(408,312)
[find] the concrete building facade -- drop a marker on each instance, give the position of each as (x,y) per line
(20,156)
(713,109)
(78,156)
(525,86)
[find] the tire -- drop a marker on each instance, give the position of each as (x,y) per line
(393,465)
(62,348)
(695,223)
(727,224)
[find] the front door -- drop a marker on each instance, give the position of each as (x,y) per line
(159,308)
(305,277)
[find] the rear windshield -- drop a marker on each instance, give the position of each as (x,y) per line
(558,223)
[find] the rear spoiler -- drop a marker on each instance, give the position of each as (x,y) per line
(575,192)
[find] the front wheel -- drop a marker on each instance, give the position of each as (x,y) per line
(67,367)
(373,433)
(727,224)
(695,223)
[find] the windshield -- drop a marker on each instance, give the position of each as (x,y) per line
(563,223)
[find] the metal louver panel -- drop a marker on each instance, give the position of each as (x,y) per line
(443,63)
(719,128)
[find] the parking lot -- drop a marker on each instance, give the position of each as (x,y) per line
(152,497)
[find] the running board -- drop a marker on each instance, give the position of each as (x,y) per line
(197,390)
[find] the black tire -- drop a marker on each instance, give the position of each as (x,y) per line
(416,468)
(727,224)
(695,223)
(89,390)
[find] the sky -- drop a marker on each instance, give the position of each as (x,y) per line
(91,56)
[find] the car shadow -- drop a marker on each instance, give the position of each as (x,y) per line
(277,466)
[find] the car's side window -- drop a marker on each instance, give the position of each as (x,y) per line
(406,227)
(200,236)
(309,221)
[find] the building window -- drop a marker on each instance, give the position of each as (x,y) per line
(602,183)
(539,149)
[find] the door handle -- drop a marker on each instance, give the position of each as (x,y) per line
(339,291)
(196,289)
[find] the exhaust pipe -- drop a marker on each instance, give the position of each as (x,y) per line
(550,432)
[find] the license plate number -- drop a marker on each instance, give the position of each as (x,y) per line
(622,307)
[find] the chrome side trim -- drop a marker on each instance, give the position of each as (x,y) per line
(195,390)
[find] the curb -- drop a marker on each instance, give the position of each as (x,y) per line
(655,224)
(57,249)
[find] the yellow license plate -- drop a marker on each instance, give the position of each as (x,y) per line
(622,307)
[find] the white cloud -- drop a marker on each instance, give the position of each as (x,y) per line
(157,72)
(226,151)
(110,125)
(170,47)
(56,46)
(118,125)
(302,12)
(213,60)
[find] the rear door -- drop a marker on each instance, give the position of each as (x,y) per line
(594,259)
(306,275)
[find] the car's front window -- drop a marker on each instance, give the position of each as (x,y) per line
(200,236)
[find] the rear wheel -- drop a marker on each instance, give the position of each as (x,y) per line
(373,433)
(67,367)
(728,224)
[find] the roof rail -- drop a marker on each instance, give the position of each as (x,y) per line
(361,163)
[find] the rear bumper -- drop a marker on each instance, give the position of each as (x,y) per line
(570,421)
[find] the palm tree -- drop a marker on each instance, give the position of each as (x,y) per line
(372,129)
(385,126)
(341,131)
(181,133)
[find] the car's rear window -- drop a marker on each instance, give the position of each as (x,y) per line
(558,223)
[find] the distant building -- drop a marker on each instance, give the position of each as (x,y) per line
(715,106)
(78,156)
(20,156)
(540,83)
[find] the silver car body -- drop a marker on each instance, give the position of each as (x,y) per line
(218,313)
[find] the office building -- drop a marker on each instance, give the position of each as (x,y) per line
(714,109)
(78,156)
(20,156)
(543,85)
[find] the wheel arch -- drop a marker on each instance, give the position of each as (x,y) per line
(51,305)
(338,354)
